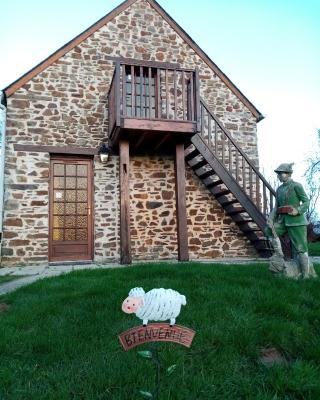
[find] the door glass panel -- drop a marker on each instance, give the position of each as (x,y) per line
(58,195)
(82,170)
(82,222)
(70,234)
(70,170)
(58,221)
(58,170)
(70,183)
(57,234)
(70,221)
(58,182)
(82,183)
(82,195)
(70,195)
(58,208)
(70,208)
(82,234)
(82,208)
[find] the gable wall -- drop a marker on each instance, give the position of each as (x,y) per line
(66,105)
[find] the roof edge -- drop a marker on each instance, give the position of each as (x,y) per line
(17,84)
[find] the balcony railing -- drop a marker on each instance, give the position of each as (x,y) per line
(154,92)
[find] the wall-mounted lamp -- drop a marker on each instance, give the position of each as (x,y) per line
(104,152)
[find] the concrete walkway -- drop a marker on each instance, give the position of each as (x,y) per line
(30,274)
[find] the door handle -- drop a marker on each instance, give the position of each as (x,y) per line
(89,210)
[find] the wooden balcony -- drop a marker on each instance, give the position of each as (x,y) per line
(153,106)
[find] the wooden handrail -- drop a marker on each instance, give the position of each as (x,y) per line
(243,154)
(154,64)
(263,192)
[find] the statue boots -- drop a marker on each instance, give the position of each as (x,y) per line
(306,266)
(277,263)
(276,244)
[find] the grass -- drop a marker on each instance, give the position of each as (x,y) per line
(59,338)
(8,278)
(314,249)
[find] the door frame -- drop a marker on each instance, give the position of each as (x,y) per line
(64,157)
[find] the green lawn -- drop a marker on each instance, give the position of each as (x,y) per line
(314,249)
(59,338)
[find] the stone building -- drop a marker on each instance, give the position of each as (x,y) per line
(181,180)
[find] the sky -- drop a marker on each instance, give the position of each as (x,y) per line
(270,49)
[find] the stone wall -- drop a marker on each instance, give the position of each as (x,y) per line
(106,210)
(66,105)
(25,237)
(211,232)
(152,206)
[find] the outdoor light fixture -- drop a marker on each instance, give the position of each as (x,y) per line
(104,152)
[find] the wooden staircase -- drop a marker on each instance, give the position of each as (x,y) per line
(232,178)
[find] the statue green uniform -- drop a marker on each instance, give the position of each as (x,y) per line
(291,193)
(288,216)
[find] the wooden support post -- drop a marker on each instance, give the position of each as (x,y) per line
(125,245)
(183,252)
(197,100)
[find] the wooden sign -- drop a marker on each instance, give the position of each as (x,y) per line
(156,332)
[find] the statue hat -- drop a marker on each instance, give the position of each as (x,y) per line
(285,168)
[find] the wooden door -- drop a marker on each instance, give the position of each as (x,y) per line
(70,210)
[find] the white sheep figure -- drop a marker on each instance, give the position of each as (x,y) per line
(155,305)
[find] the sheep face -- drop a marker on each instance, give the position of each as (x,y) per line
(131,304)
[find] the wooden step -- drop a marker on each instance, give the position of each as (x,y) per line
(213,183)
(194,153)
(196,164)
(226,201)
(256,236)
(200,171)
(218,191)
(234,209)
(249,226)
(241,219)
(205,174)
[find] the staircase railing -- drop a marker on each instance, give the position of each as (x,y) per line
(229,153)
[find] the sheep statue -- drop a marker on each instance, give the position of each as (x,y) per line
(155,305)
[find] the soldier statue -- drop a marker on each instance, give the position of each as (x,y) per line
(288,216)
